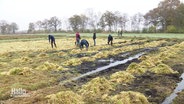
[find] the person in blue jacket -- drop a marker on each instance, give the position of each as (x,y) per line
(52,40)
(84,42)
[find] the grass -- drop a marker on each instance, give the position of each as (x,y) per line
(33,37)
(157,35)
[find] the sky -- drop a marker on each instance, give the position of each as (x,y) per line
(23,12)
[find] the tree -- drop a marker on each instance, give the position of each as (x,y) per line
(3,26)
(102,23)
(163,15)
(166,11)
(75,22)
(55,23)
(84,22)
(179,18)
(14,27)
(117,17)
(45,25)
(108,17)
(93,19)
(152,18)
(8,29)
(123,19)
(136,21)
(31,28)
(39,25)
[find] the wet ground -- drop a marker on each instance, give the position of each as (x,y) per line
(156,87)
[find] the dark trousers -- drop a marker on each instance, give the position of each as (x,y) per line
(110,41)
(94,42)
(53,42)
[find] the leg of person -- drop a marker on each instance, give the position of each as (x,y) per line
(52,44)
(86,47)
(78,42)
(111,42)
(94,42)
(81,46)
(55,44)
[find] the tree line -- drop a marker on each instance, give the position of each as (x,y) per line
(166,17)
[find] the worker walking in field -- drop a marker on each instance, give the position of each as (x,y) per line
(77,36)
(110,39)
(82,43)
(94,38)
(52,40)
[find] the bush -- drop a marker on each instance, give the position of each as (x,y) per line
(152,29)
(171,29)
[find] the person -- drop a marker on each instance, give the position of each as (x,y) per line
(84,42)
(110,39)
(121,32)
(52,40)
(118,33)
(77,38)
(94,38)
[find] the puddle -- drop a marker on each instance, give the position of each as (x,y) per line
(112,60)
(126,54)
(103,60)
(178,89)
(110,65)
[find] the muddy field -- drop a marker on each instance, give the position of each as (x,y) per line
(133,70)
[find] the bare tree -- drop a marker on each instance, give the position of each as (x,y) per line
(136,21)
(39,25)
(122,21)
(117,17)
(31,28)
(75,22)
(84,22)
(108,17)
(55,23)
(14,27)
(45,25)
(102,23)
(3,26)
(94,19)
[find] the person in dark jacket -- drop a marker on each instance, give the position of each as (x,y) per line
(94,38)
(52,40)
(110,39)
(84,42)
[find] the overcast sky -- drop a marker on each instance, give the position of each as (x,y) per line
(25,11)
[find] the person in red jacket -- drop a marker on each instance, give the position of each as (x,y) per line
(77,38)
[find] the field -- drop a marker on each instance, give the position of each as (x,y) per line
(137,69)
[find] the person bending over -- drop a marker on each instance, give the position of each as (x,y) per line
(84,42)
(110,39)
(52,40)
